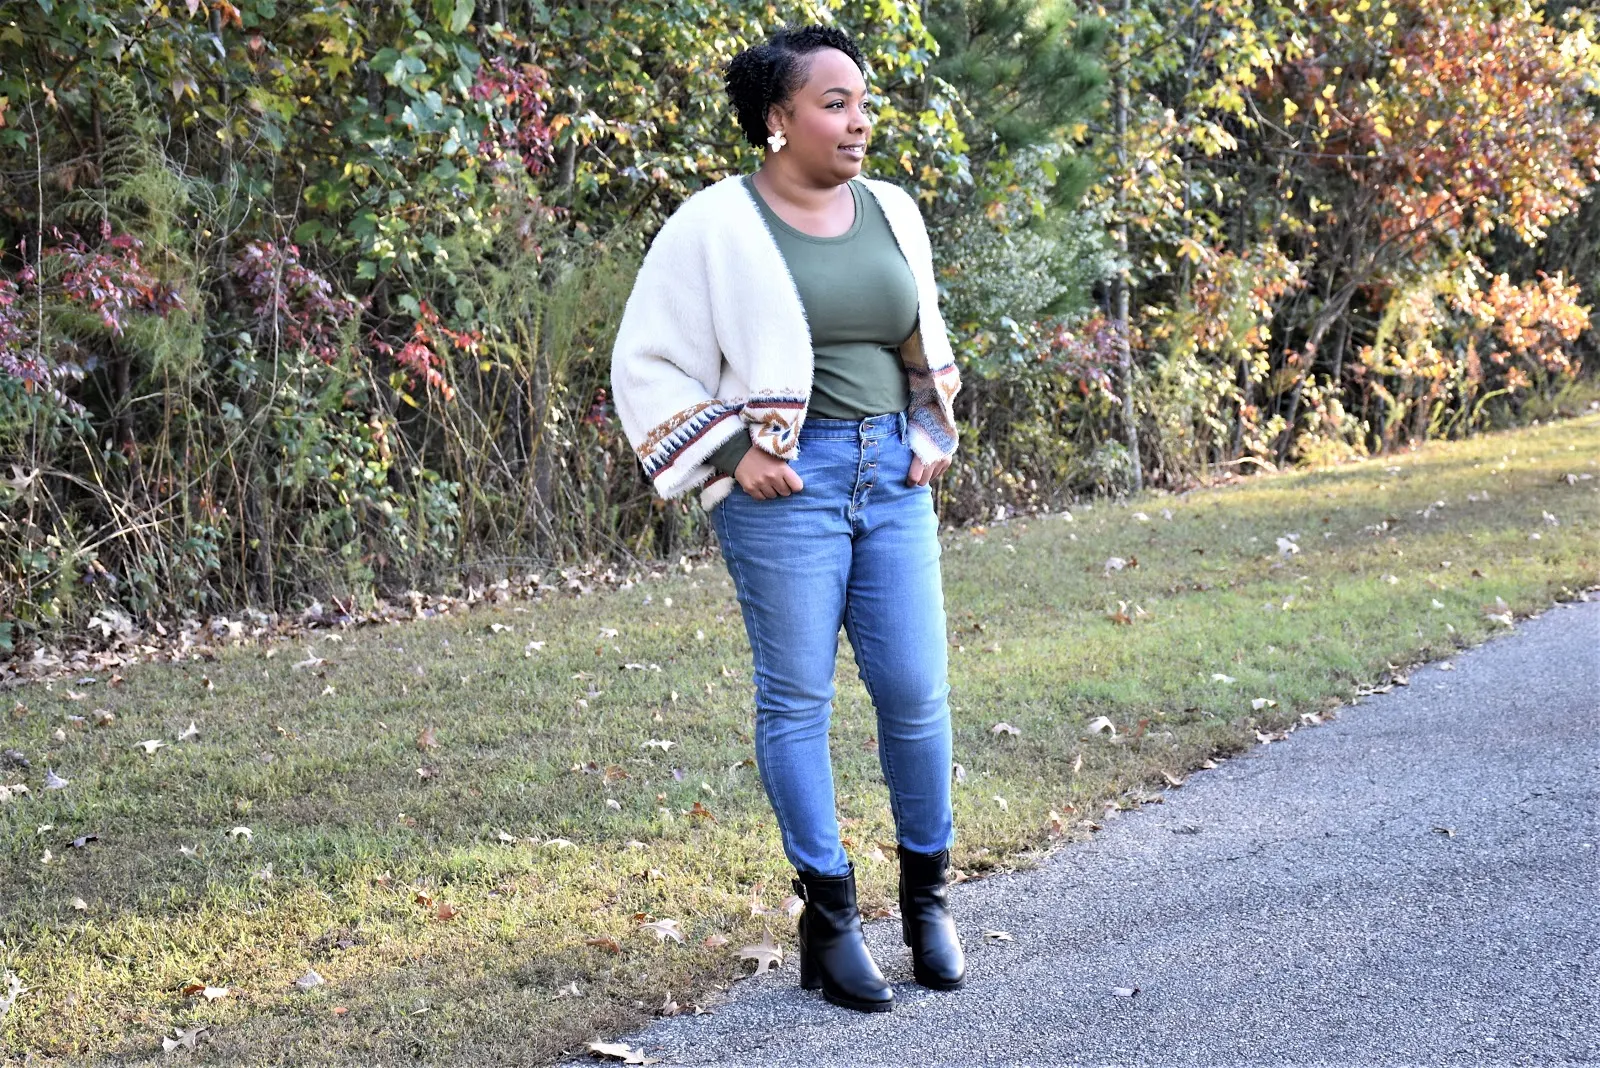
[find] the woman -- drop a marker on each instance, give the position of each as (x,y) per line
(783,347)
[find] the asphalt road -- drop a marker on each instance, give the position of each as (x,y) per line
(1298,905)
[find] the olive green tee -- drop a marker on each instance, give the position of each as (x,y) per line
(860,300)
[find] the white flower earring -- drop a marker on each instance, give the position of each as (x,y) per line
(777,140)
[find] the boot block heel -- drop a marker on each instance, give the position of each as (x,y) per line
(810,978)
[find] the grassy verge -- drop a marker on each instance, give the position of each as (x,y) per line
(351,852)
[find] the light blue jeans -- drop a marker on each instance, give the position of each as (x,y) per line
(856,546)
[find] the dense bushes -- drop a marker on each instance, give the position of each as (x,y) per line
(316,303)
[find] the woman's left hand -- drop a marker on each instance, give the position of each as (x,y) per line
(922,474)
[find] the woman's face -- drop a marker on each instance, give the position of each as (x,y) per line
(826,122)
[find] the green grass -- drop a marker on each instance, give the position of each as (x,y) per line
(327,781)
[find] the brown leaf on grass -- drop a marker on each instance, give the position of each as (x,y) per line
(447,911)
(714,941)
(1005,728)
(1172,779)
(604,942)
(424,899)
(700,811)
(767,954)
(427,740)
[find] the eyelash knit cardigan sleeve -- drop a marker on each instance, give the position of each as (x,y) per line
(713,342)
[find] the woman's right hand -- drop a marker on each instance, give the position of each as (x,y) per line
(764,476)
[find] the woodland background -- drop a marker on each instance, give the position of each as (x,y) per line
(314,302)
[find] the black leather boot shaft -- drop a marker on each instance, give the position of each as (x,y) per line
(937,960)
(833,952)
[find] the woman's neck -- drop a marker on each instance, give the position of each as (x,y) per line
(776,181)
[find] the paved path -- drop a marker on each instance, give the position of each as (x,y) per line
(1295,906)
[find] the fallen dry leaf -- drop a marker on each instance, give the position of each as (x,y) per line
(185,1039)
(663,930)
(622,1051)
(767,954)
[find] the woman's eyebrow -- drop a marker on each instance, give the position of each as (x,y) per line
(838,89)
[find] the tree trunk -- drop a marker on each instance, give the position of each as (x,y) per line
(1121,287)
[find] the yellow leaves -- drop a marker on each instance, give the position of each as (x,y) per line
(1192,250)
(1389,20)
(1290,108)
(1433,125)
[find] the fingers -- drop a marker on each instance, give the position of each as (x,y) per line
(923,473)
(781,483)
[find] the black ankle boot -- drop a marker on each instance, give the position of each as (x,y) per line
(833,953)
(937,960)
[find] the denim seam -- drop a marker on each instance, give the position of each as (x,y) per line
(883,747)
(760,734)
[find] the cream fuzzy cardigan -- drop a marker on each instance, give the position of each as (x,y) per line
(714,342)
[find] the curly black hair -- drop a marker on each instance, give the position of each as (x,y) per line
(769,73)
